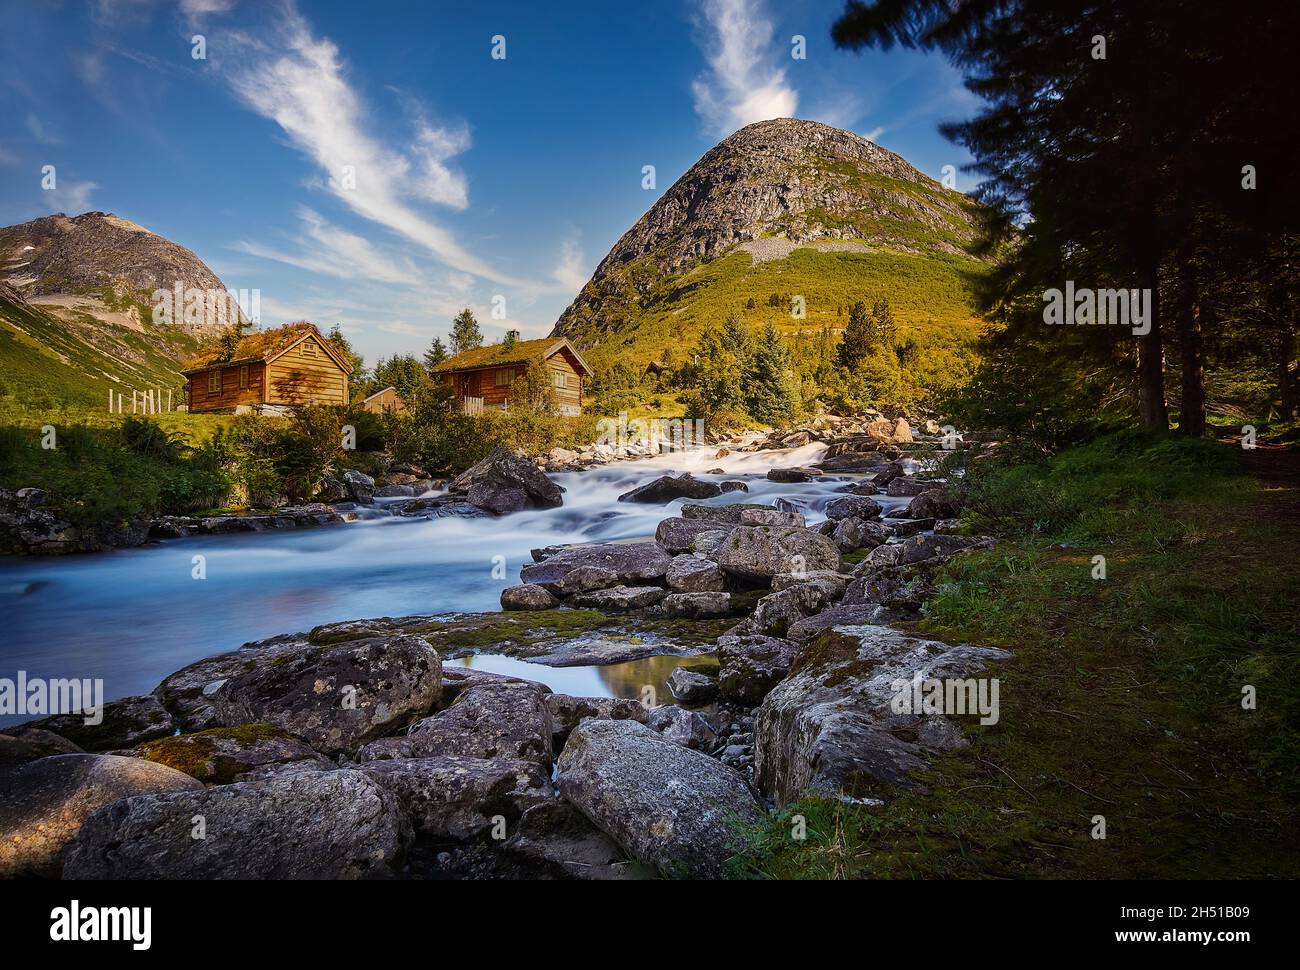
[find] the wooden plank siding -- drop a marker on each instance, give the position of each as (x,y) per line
(492,384)
(232,394)
(303,374)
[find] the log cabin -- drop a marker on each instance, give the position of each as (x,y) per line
(481,377)
(270,371)
(385,401)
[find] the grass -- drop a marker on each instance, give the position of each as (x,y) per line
(1124,698)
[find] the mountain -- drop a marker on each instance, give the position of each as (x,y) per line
(76,308)
(778,209)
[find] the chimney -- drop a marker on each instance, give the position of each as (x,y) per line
(512,334)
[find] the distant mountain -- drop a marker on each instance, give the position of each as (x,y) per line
(778,209)
(76,309)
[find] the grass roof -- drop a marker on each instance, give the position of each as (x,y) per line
(499,355)
(258,345)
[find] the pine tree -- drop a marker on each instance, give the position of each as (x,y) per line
(884,329)
(465,334)
(436,353)
(770,390)
(856,342)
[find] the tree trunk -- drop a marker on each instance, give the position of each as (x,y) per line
(1191,414)
(1286,350)
(1153,411)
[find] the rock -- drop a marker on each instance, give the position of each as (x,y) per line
(904,486)
(910,527)
(934,503)
(886,555)
(888,474)
(851,534)
(750,666)
(333,490)
(690,729)
(619,598)
(25,529)
(671,807)
(896,588)
(503,482)
(394,491)
(902,432)
(829,728)
(792,475)
(632,562)
(707,544)
(697,606)
(187,694)
(298,825)
(695,574)
(925,547)
(359,485)
(691,687)
(759,552)
(837,581)
(125,723)
(859,488)
(666,488)
(678,535)
(219,755)
(336,698)
(733,486)
(23,744)
(438,507)
(507,720)
(31,497)
(797,440)
(932,426)
(845,614)
(458,797)
(568,712)
(777,612)
(44,803)
(721,515)
(852,506)
(586,578)
(557,836)
(527,596)
(774,517)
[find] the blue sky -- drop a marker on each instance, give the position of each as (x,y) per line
(372,165)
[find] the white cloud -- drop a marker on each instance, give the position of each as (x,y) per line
(569,272)
(70,197)
(741,87)
(337,252)
(875,133)
(299,81)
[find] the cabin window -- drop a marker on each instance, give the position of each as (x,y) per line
(308,348)
(559,378)
(504,376)
(243,377)
(214,381)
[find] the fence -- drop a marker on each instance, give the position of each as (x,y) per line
(153,400)
(472,405)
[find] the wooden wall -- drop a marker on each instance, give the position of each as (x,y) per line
(482,382)
(231,394)
(301,377)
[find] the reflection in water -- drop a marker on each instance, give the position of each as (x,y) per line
(629,679)
(133,616)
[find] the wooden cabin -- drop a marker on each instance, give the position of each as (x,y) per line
(481,378)
(270,371)
(387,400)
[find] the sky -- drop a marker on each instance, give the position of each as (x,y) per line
(381,165)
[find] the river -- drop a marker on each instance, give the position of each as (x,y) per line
(133,616)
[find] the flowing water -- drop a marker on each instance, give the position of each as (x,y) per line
(133,616)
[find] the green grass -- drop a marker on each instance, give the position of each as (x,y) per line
(1123,698)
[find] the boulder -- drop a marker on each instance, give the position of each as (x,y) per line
(902,432)
(504,720)
(751,665)
(888,474)
(218,756)
(851,534)
(667,488)
(934,503)
(458,797)
(830,727)
(695,574)
(672,808)
(690,729)
(722,515)
(707,544)
(926,547)
(777,612)
(733,486)
(910,527)
(619,598)
(586,578)
(527,596)
(631,562)
(124,724)
(187,694)
(775,517)
(697,606)
(837,581)
(557,837)
(503,482)
(23,744)
(336,698)
(859,488)
(295,825)
(845,614)
(678,534)
(360,486)
(760,552)
(852,506)
(45,803)
(792,475)
(395,491)
(905,486)
(567,712)
(692,687)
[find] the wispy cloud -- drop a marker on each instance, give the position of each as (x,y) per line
(570,271)
(299,81)
(332,251)
(70,197)
(741,86)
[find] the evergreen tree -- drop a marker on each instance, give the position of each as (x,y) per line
(771,391)
(856,342)
(436,353)
(344,347)
(883,327)
(465,334)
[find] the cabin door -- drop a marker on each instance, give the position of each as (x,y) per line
(469,385)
